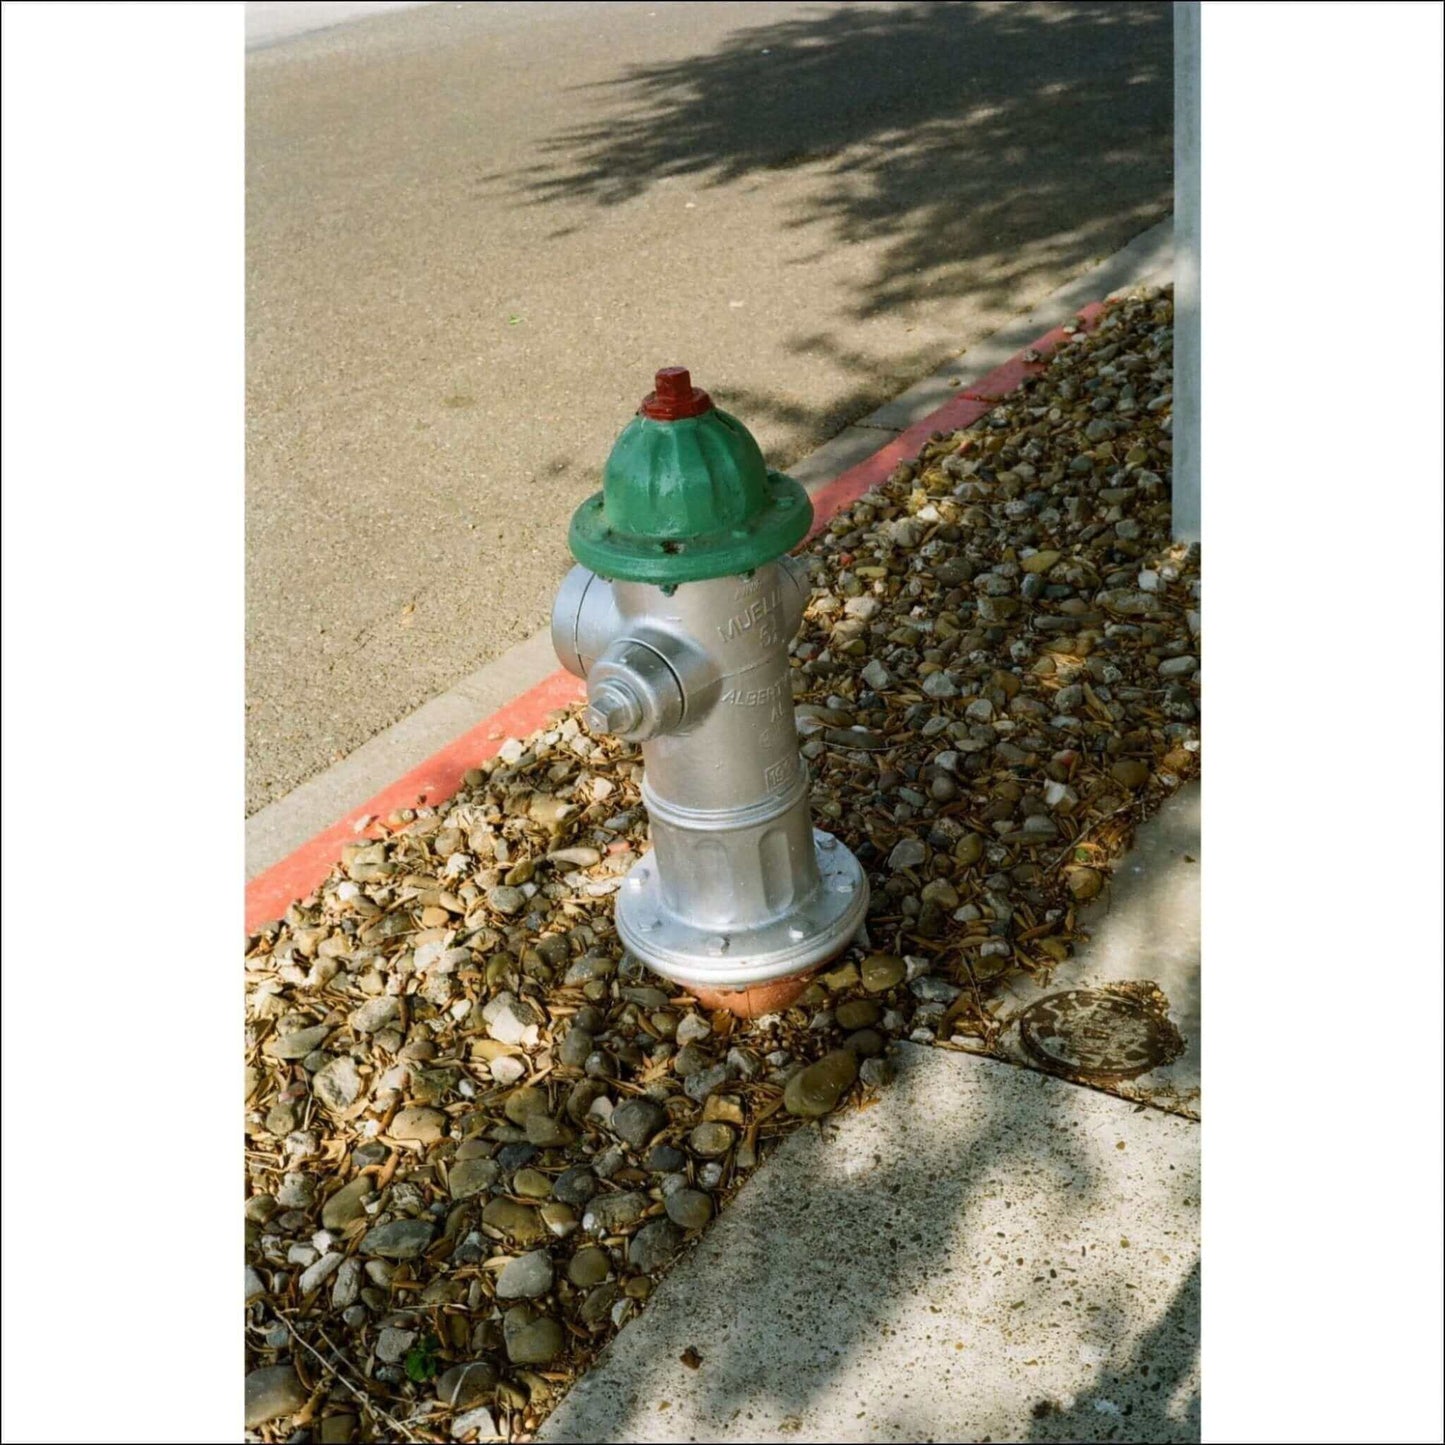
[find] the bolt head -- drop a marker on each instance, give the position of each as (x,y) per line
(612,709)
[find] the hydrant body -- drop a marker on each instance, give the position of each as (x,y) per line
(689,657)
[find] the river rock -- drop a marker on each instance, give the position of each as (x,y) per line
(589,1266)
(463,1386)
(525,1277)
(711,1139)
(337,1084)
(636,1121)
(815,1090)
(610,1213)
(425,1126)
(466,1177)
(689,1208)
(882,971)
(272,1394)
(519,1222)
(653,1245)
(400,1239)
(531,1339)
(297,1045)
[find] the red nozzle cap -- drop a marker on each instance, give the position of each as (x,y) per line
(676,397)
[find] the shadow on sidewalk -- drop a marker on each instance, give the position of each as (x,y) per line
(806,1302)
(1169,1405)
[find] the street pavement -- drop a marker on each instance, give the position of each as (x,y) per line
(474,231)
(268,21)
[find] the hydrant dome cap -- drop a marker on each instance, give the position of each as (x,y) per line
(687,499)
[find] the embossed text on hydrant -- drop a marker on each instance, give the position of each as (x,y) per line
(759,614)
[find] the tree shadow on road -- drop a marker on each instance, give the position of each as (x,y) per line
(979,143)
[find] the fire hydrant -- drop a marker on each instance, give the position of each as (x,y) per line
(679,617)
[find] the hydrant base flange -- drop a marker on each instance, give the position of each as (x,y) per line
(810,933)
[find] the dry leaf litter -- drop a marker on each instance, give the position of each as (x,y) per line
(477,1133)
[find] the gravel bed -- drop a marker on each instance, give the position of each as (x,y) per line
(477,1133)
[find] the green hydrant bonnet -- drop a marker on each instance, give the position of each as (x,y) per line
(686,496)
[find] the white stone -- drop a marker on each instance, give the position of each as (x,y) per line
(507,1069)
(511,1020)
(479,1420)
(319,1272)
(693,1028)
(392,1344)
(1060,797)
(426,954)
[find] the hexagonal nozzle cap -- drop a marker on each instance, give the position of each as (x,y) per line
(612,709)
(675,396)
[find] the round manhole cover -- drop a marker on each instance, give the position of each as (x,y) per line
(1113,1033)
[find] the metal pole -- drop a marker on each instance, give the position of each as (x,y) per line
(1186,271)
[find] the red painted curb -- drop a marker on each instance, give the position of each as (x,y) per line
(271,893)
(960,411)
(847,487)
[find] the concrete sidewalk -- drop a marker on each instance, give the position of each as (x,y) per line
(1144,934)
(987,1253)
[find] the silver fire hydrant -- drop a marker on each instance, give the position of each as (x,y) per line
(679,617)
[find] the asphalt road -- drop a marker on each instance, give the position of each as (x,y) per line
(474,232)
(268,21)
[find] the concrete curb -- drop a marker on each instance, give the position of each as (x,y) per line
(286,857)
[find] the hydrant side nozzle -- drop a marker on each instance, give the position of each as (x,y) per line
(633,693)
(585,620)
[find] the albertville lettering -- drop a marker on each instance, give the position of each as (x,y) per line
(754,697)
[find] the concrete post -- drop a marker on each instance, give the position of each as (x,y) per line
(1186,271)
